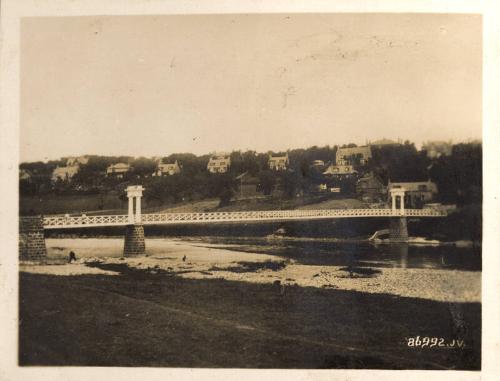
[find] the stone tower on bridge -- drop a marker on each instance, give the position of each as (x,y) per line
(398,227)
(134,234)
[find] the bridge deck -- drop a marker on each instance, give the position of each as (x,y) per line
(63,222)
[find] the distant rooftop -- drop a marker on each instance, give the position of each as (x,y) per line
(385,142)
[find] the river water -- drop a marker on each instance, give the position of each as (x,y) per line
(302,251)
(342,253)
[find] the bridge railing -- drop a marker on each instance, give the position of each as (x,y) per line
(54,222)
(261,215)
(283,215)
(82,221)
(428,212)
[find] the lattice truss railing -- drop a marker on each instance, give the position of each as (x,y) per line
(281,215)
(83,221)
(55,222)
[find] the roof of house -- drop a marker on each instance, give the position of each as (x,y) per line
(340,170)
(278,157)
(220,160)
(247,178)
(317,162)
(62,171)
(413,185)
(239,177)
(219,155)
(366,151)
(119,166)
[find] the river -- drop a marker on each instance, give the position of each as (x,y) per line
(304,251)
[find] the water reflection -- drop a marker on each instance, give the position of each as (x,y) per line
(400,250)
(308,251)
(312,252)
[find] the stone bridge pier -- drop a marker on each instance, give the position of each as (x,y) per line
(134,233)
(31,238)
(398,227)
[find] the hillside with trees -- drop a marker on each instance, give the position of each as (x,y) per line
(457,175)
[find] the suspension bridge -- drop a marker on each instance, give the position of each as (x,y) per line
(32,242)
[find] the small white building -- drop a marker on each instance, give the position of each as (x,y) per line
(340,170)
(167,169)
(72,167)
(417,193)
(65,173)
(319,164)
(278,163)
(118,170)
(219,163)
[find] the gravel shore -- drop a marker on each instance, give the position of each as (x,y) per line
(191,261)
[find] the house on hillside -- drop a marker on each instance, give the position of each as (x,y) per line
(167,169)
(325,188)
(340,171)
(371,188)
(278,163)
(71,168)
(118,170)
(219,163)
(417,193)
(353,156)
(318,164)
(64,173)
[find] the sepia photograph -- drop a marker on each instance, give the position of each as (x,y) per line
(292,190)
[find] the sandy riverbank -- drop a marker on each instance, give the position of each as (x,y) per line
(214,262)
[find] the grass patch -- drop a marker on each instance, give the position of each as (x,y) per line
(250,267)
(144,319)
(360,272)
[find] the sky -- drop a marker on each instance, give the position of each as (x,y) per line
(156,85)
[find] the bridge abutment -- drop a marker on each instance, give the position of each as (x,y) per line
(31,238)
(398,229)
(134,241)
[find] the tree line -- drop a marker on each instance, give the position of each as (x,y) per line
(458,175)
